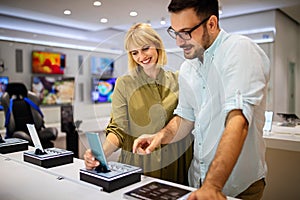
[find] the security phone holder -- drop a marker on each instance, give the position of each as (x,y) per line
(70,128)
(110,176)
(50,157)
(10,145)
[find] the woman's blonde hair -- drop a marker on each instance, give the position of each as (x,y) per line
(139,35)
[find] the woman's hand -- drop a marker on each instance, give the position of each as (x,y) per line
(89,160)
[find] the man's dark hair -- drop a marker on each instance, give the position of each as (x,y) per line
(203,8)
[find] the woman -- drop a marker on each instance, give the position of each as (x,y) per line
(143,103)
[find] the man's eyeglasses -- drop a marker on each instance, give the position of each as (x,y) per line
(185,35)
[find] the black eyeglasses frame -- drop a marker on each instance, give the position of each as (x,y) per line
(174,34)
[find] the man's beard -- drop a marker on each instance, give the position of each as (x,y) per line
(199,51)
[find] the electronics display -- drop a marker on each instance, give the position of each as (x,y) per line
(10,145)
(109,175)
(288,116)
(50,157)
(3,83)
(48,62)
(103,67)
(102,89)
(54,90)
(97,150)
(156,190)
(289,119)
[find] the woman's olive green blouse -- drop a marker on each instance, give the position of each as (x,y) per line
(142,105)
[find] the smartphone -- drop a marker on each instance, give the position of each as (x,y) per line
(97,150)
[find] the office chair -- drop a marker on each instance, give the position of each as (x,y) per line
(21,107)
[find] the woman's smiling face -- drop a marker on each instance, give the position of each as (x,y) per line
(145,56)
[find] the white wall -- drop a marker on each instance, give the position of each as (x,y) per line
(286,50)
(249,22)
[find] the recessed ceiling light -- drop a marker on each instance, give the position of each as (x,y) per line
(97,3)
(103,20)
(133,13)
(163,21)
(67,12)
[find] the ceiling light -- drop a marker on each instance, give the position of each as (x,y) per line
(133,13)
(103,20)
(163,21)
(67,12)
(97,3)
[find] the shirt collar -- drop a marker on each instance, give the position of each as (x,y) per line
(212,49)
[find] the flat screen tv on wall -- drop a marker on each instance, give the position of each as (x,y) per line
(48,62)
(102,89)
(54,90)
(103,67)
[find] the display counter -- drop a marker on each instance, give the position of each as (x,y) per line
(283,160)
(282,155)
(21,180)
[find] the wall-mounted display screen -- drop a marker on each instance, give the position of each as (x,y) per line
(48,62)
(103,67)
(54,90)
(102,89)
(3,83)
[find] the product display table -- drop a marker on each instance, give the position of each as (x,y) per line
(22,180)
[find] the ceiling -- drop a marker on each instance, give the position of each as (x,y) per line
(36,20)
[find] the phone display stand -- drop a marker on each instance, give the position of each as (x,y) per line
(109,175)
(11,145)
(50,157)
(68,126)
(119,176)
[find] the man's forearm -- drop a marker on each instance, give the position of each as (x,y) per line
(228,150)
(176,129)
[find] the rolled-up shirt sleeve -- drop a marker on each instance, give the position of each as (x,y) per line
(244,78)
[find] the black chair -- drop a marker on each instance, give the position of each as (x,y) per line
(21,107)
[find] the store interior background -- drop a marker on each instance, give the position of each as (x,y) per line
(41,25)
(36,25)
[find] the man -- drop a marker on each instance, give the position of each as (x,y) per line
(222,88)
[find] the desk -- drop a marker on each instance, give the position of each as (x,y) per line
(283,141)
(21,179)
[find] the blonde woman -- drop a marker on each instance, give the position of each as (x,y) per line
(143,103)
